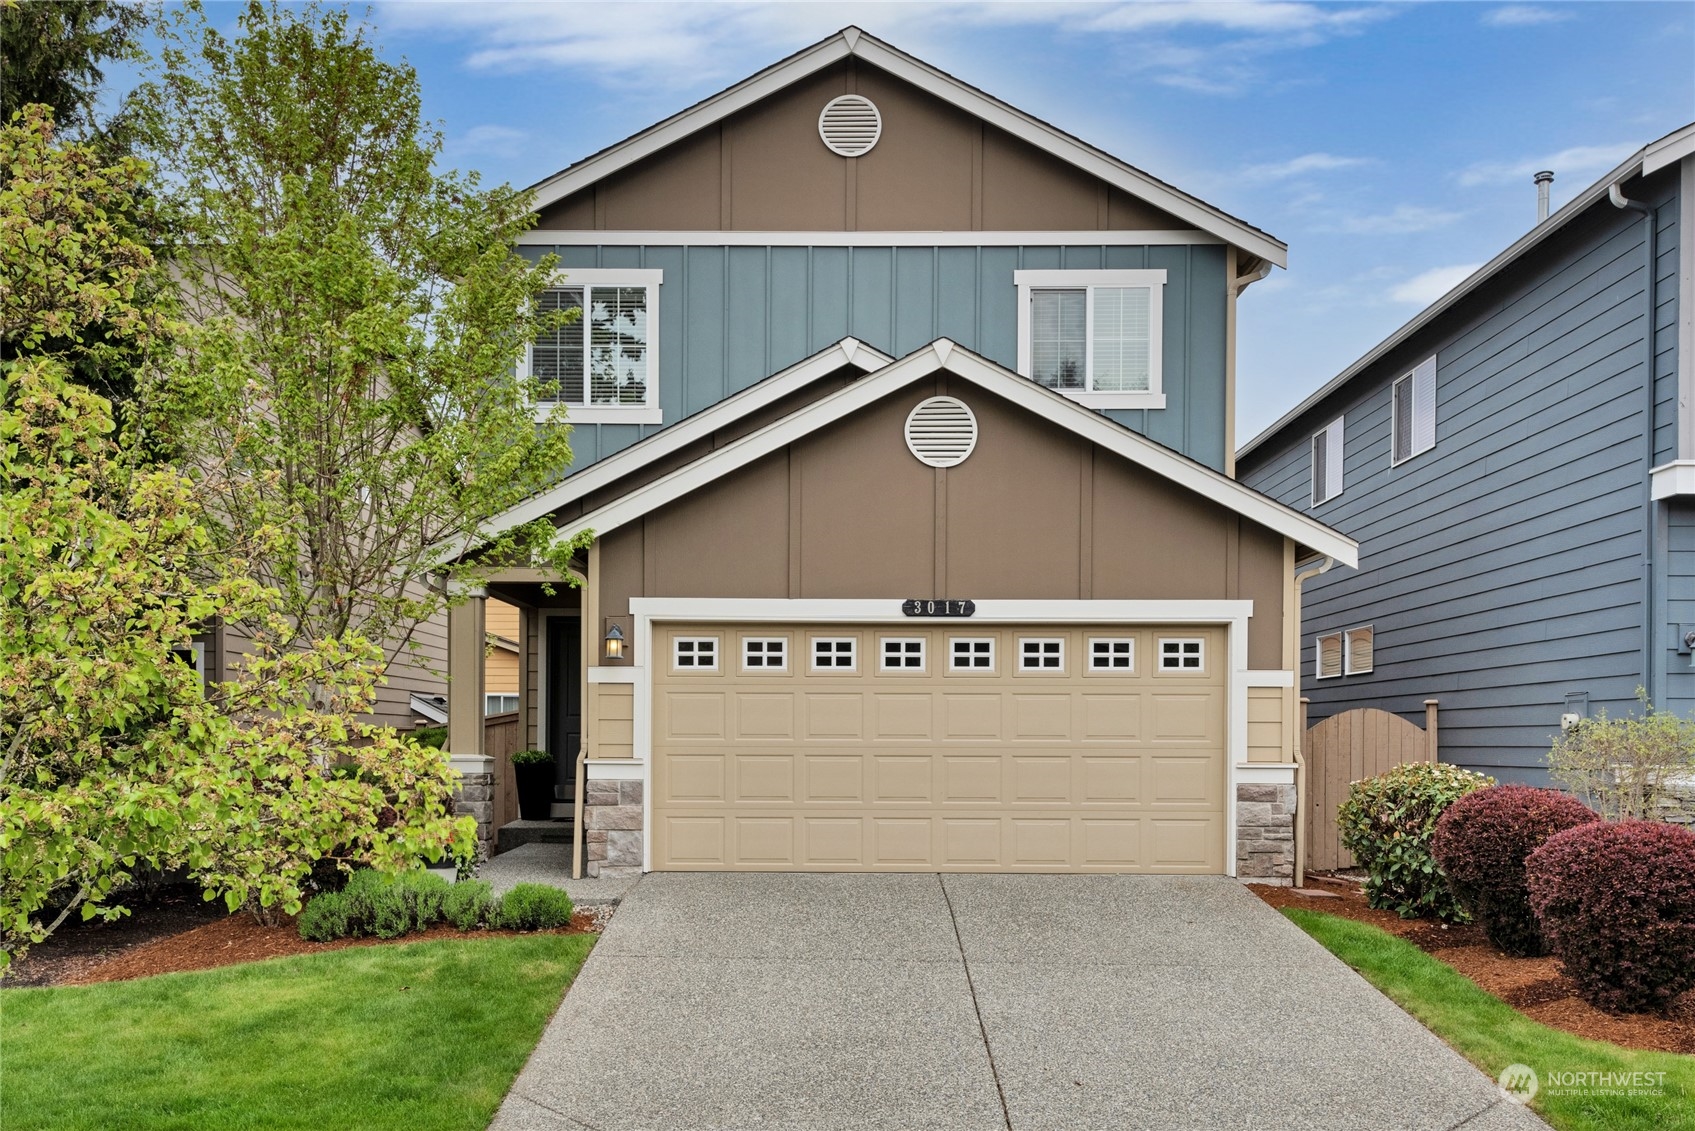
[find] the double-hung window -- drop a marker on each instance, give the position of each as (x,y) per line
(602,365)
(1093,336)
(1327,462)
(1412,402)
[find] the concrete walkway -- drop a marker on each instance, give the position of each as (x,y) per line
(550,864)
(924,1001)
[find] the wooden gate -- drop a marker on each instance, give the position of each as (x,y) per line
(503,735)
(1344,748)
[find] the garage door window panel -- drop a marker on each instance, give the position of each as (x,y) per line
(835,654)
(694,654)
(902,654)
(1041,655)
(1112,654)
(971,655)
(765,654)
(1182,655)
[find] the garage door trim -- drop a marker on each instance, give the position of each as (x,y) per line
(1233,615)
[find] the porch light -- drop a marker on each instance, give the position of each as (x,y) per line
(614,643)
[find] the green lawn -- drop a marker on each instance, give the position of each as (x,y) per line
(1491,1034)
(418,1036)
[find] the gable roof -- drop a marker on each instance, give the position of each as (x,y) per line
(960,362)
(851,41)
(1650,158)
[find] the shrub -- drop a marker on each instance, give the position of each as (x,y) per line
(531,757)
(1481,843)
(1623,766)
(375,903)
(468,904)
(433,737)
(533,907)
(324,917)
(1387,822)
(1616,903)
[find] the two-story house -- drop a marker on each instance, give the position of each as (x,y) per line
(1518,466)
(904,431)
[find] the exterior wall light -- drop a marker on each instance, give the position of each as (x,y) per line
(614,643)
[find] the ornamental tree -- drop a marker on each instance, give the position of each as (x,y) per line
(348,383)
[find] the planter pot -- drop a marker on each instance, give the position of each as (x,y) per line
(535,790)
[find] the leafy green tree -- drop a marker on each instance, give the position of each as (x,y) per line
(356,314)
(51,54)
(113,757)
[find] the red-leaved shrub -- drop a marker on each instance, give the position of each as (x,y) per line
(1616,903)
(1480,844)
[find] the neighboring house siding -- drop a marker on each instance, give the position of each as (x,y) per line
(730,316)
(1503,570)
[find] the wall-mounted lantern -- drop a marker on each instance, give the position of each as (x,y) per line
(614,643)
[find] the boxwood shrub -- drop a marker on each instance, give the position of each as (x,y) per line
(1616,902)
(1481,843)
(468,904)
(532,907)
(1387,822)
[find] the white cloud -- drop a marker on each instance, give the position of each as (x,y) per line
(1425,288)
(1583,161)
(1301,166)
(1522,15)
(1403,219)
(500,141)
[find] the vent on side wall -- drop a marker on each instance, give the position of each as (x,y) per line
(850,125)
(941,432)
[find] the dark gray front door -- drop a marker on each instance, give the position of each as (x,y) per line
(564,700)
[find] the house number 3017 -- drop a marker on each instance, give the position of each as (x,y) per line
(926,608)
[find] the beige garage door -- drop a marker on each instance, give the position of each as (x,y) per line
(958,748)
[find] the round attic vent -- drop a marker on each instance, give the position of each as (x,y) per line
(941,432)
(850,125)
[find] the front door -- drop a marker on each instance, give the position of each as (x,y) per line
(564,698)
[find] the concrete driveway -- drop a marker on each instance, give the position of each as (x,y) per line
(923,1001)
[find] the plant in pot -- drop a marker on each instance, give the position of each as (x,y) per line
(533,770)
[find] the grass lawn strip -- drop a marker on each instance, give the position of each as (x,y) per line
(421,1036)
(1492,1035)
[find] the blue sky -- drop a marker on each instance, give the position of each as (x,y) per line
(1390,145)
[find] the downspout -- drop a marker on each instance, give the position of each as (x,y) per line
(583,624)
(1302,576)
(1649,515)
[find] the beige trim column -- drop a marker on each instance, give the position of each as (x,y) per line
(467,641)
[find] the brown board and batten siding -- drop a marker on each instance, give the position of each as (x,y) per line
(935,168)
(1035,513)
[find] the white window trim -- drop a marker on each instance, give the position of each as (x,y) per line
(812,643)
(1154,280)
(487,695)
(1129,669)
(1318,655)
(923,654)
(649,413)
(1394,414)
(697,666)
(1159,650)
(1348,650)
(1333,467)
(953,666)
(766,667)
(1040,669)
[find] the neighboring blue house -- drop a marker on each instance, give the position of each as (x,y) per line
(1523,495)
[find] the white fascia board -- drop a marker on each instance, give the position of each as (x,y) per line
(1669,150)
(848,351)
(1673,480)
(658,237)
(1265,773)
(963,363)
(851,41)
(877,610)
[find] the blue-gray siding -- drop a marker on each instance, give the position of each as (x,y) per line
(1504,569)
(729,316)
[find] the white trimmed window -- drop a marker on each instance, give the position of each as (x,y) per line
(1041,654)
(603,366)
(194,655)
(765,653)
(1327,664)
(1357,650)
(1094,336)
(498,703)
(834,653)
(695,653)
(971,654)
(903,653)
(1327,462)
(1412,402)
(1180,654)
(1112,653)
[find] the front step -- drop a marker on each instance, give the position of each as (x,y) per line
(515,833)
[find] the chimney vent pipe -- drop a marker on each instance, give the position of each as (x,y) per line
(1544,183)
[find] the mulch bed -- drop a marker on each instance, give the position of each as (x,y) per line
(1533,986)
(180,936)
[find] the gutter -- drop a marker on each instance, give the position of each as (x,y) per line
(1649,516)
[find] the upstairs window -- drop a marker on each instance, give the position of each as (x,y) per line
(1413,410)
(1094,336)
(1327,462)
(1357,649)
(1329,659)
(603,366)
